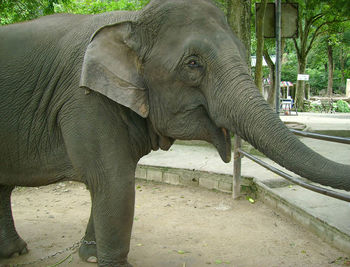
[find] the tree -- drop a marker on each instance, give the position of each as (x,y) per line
(272,88)
(344,55)
(330,44)
(314,16)
(238,14)
(260,45)
(334,38)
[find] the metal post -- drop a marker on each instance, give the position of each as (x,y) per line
(236,182)
(278,52)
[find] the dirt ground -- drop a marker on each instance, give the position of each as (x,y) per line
(173,226)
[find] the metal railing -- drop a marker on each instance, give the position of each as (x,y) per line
(324,137)
(239,153)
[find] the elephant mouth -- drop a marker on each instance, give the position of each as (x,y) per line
(158,140)
(221,139)
(165,142)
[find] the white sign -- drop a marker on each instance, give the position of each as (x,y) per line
(303,77)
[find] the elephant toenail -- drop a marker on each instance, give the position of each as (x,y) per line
(92,259)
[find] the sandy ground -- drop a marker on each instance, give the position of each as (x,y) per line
(174,226)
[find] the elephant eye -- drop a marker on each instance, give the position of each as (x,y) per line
(193,63)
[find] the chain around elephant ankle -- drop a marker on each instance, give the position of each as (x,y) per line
(85,242)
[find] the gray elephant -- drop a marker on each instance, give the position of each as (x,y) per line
(84,97)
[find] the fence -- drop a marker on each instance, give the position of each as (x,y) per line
(239,153)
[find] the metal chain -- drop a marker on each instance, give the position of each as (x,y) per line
(72,248)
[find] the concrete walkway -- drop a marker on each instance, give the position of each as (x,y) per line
(201,165)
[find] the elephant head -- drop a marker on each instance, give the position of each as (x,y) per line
(178,64)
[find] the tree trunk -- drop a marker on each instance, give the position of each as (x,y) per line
(260,45)
(300,88)
(238,17)
(330,70)
(342,69)
(302,49)
(272,89)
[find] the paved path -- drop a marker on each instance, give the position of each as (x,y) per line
(332,212)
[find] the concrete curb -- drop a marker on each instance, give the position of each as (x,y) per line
(176,176)
(223,183)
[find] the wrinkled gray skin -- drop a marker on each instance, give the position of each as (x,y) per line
(83,98)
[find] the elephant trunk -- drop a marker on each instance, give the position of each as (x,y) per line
(245,112)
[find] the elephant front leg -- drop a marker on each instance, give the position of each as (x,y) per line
(113,212)
(88,249)
(10,242)
(99,147)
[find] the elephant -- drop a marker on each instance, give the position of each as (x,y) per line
(84,97)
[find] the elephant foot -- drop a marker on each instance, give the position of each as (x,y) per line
(88,251)
(13,248)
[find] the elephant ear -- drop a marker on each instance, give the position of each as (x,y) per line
(111,67)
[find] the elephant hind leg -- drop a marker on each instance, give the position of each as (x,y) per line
(10,242)
(88,249)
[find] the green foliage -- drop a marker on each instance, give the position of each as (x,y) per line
(12,11)
(318,80)
(222,4)
(327,24)
(342,106)
(313,106)
(326,106)
(290,68)
(99,6)
(317,66)
(317,18)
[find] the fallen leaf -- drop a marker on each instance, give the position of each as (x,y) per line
(251,200)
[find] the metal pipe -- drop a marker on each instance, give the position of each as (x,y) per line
(236,183)
(311,187)
(278,30)
(330,138)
